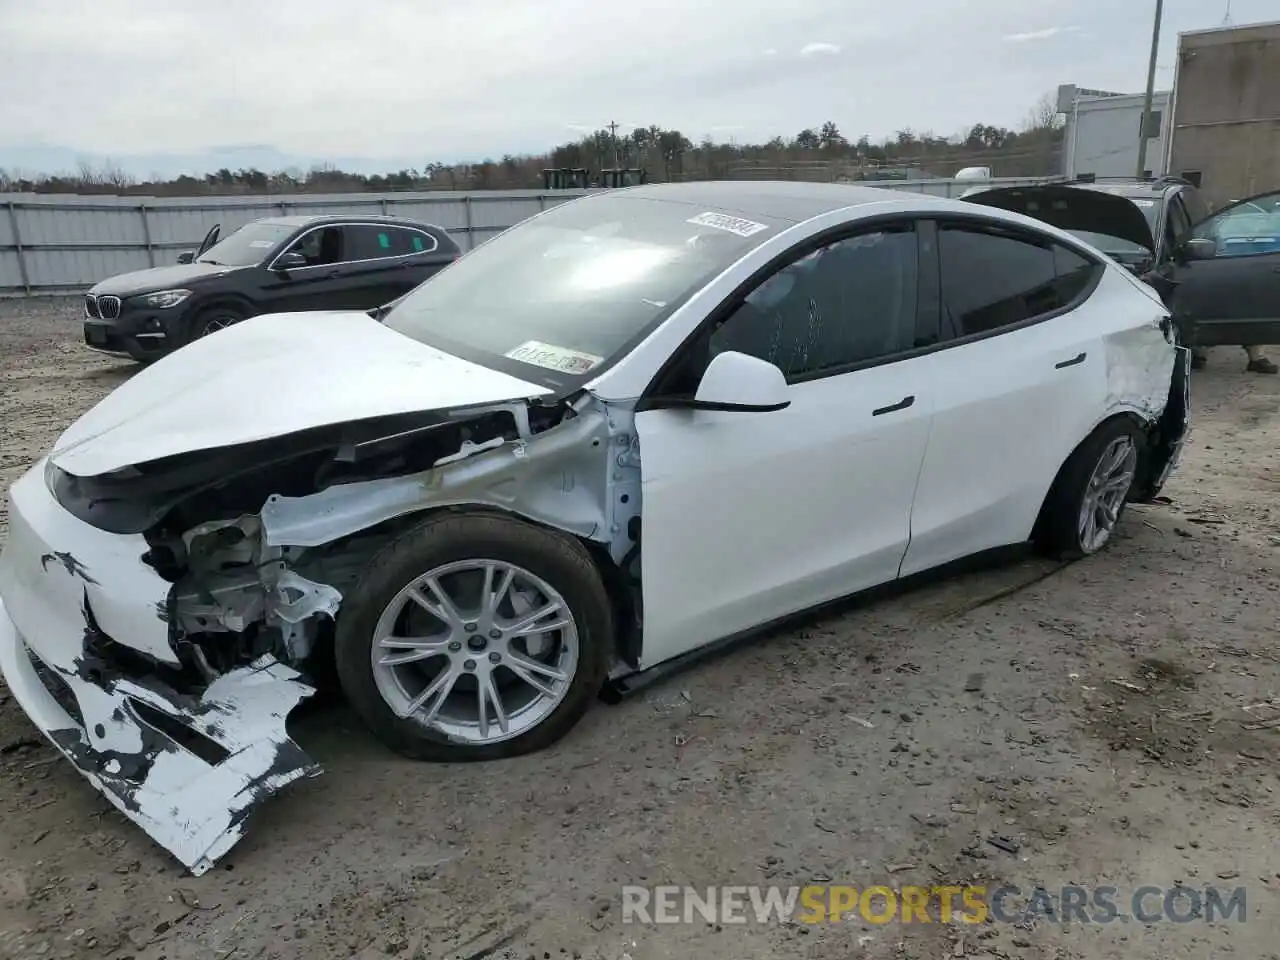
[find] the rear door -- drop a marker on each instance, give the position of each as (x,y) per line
(1233,298)
(420,255)
(1019,379)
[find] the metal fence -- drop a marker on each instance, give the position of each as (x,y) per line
(57,244)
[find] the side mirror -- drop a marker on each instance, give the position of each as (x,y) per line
(737,381)
(289,261)
(733,382)
(186,256)
(1200,248)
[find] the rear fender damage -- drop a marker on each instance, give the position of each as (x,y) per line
(190,750)
(1148,377)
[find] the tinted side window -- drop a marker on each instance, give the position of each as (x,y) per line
(412,241)
(1074,273)
(321,247)
(369,242)
(851,301)
(992,280)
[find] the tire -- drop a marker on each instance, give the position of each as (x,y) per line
(212,319)
(1062,532)
(561,565)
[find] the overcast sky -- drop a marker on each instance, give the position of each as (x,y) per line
(423,80)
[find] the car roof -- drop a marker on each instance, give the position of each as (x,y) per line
(321,219)
(798,202)
(778,200)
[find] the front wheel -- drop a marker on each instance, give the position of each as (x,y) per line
(1090,493)
(212,319)
(474,637)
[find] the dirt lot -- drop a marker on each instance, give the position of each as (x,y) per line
(1107,738)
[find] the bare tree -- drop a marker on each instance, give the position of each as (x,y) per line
(1044,115)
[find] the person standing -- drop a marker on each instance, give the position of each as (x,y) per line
(1258,362)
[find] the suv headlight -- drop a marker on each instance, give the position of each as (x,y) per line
(165,298)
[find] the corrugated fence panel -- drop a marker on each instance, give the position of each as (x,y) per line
(499,214)
(65,244)
(47,224)
(74,271)
(449,214)
(181,227)
(10,271)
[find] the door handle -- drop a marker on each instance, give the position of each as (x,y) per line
(334,274)
(1078,358)
(900,405)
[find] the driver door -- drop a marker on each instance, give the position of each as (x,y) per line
(325,283)
(1233,297)
(752,516)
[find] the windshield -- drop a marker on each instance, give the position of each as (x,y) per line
(249,245)
(558,296)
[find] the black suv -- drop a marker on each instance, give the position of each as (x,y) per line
(275,265)
(1218,272)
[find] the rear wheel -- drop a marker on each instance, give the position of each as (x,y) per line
(474,637)
(1089,495)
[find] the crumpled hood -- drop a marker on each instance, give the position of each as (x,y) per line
(1073,208)
(271,376)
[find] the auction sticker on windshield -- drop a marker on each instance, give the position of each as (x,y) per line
(720,221)
(552,357)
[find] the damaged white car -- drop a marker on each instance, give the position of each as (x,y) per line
(633,426)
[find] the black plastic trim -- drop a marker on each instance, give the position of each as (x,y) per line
(684,403)
(1077,359)
(902,404)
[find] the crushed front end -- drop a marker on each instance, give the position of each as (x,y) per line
(86,649)
(159,621)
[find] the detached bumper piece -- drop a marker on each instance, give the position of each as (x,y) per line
(187,775)
(80,627)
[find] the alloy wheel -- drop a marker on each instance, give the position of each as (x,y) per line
(1106,492)
(215,323)
(478,650)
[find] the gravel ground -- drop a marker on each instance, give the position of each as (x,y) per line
(1108,740)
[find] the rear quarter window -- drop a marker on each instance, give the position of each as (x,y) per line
(993,279)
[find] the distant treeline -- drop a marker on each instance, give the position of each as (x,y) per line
(821,153)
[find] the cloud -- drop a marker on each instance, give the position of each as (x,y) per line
(503,77)
(1037,34)
(819,49)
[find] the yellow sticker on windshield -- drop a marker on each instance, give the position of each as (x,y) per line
(551,357)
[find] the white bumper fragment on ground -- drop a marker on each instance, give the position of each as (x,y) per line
(84,650)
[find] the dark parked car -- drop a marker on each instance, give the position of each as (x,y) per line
(1219,272)
(274,265)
